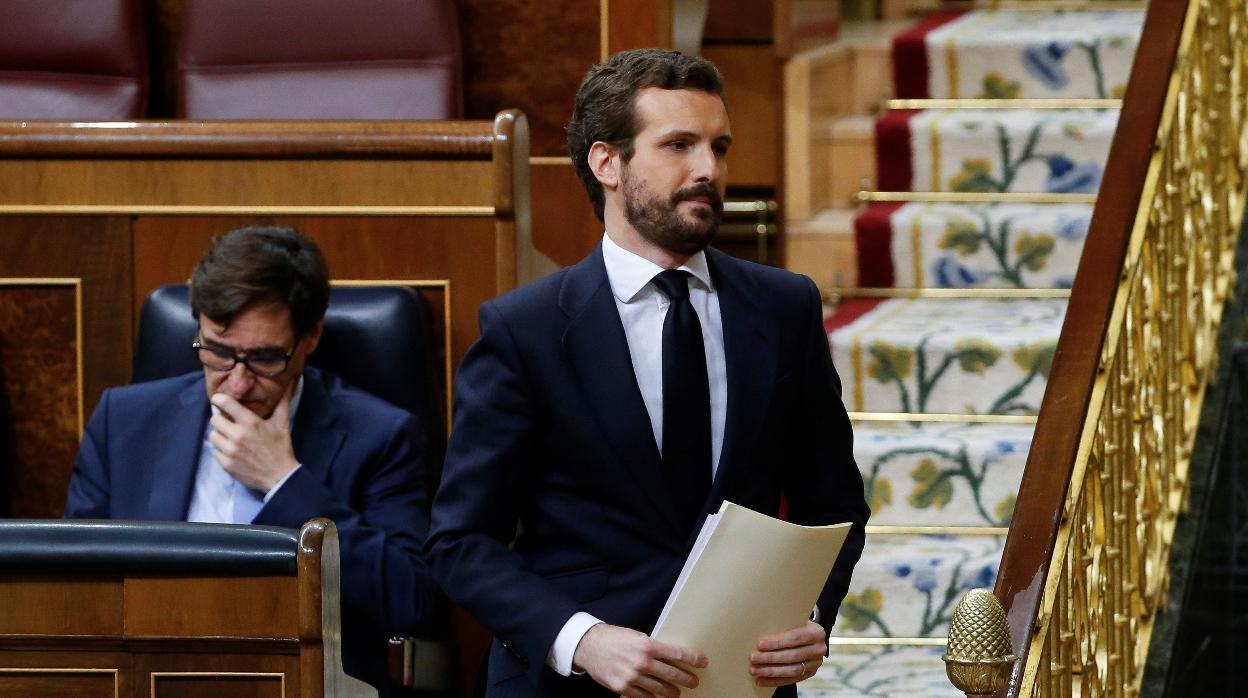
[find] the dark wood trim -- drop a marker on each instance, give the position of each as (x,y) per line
(248,139)
(1032,538)
(310,564)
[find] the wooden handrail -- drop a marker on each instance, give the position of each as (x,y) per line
(1030,545)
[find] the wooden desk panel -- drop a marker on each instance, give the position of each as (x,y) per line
(59,683)
(212,607)
(35,606)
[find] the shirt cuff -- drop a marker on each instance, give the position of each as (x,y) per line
(281,482)
(561,653)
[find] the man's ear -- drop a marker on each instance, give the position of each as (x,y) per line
(604,162)
(313,337)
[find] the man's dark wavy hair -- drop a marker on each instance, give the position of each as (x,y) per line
(258,265)
(605,111)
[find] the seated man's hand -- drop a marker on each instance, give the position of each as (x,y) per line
(789,656)
(256,452)
(635,666)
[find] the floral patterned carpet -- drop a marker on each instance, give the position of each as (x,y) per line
(942,387)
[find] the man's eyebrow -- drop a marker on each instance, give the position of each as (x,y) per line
(669,135)
(258,350)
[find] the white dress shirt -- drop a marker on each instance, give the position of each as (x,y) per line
(212,500)
(643,307)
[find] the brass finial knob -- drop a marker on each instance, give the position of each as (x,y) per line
(980,658)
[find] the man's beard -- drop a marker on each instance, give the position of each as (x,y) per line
(659,222)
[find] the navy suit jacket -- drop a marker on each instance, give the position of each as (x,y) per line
(552,447)
(362,467)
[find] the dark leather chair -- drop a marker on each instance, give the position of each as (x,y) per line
(376,338)
(319,59)
(72,60)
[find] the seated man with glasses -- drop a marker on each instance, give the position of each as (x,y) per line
(259,437)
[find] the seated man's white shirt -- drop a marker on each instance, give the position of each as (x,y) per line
(215,493)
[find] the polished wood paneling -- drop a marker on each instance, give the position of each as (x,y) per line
(41,606)
(410,140)
(753,80)
(564,225)
(207,686)
(738,21)
(181,183)
(530,56)
(211,607)
(57,684)
(638,24)
(39,394)
(95,250)
(460,249)
(41,434)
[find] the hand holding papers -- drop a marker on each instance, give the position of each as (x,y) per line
(747,576)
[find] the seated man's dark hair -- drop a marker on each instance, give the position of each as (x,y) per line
(259,265)
(604,108)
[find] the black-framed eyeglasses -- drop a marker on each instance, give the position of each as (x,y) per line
(268,364)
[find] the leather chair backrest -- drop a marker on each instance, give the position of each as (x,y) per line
(319,59)
(175,548)
(72,60)
(376,338)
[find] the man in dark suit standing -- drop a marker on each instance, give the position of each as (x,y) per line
(258,437)
(608,408)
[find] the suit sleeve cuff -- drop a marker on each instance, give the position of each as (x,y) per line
(561,653)
(270,494)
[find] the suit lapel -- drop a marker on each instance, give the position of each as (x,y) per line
(315,436)
(750,343)
(178,446)
(597,349)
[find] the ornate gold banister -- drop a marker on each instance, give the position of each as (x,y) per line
(1085,563)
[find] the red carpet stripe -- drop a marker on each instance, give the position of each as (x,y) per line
(849,310)
(910,70)
(893,162)
(873,237)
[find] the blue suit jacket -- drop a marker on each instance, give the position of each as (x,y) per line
(551,438)
(362,466)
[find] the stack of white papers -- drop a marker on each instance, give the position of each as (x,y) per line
(747,576)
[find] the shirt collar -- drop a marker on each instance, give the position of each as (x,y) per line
(629,273)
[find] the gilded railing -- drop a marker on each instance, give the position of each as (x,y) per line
(1082,620)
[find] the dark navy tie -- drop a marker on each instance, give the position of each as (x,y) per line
(686,399)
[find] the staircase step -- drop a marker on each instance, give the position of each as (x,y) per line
(941,473)
(907,586)
(993,150)
(889,671)
(947,245)
(823,248)
(1019,53)
(945,355)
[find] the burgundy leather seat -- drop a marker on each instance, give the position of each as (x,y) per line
(72,60)
(319,59)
